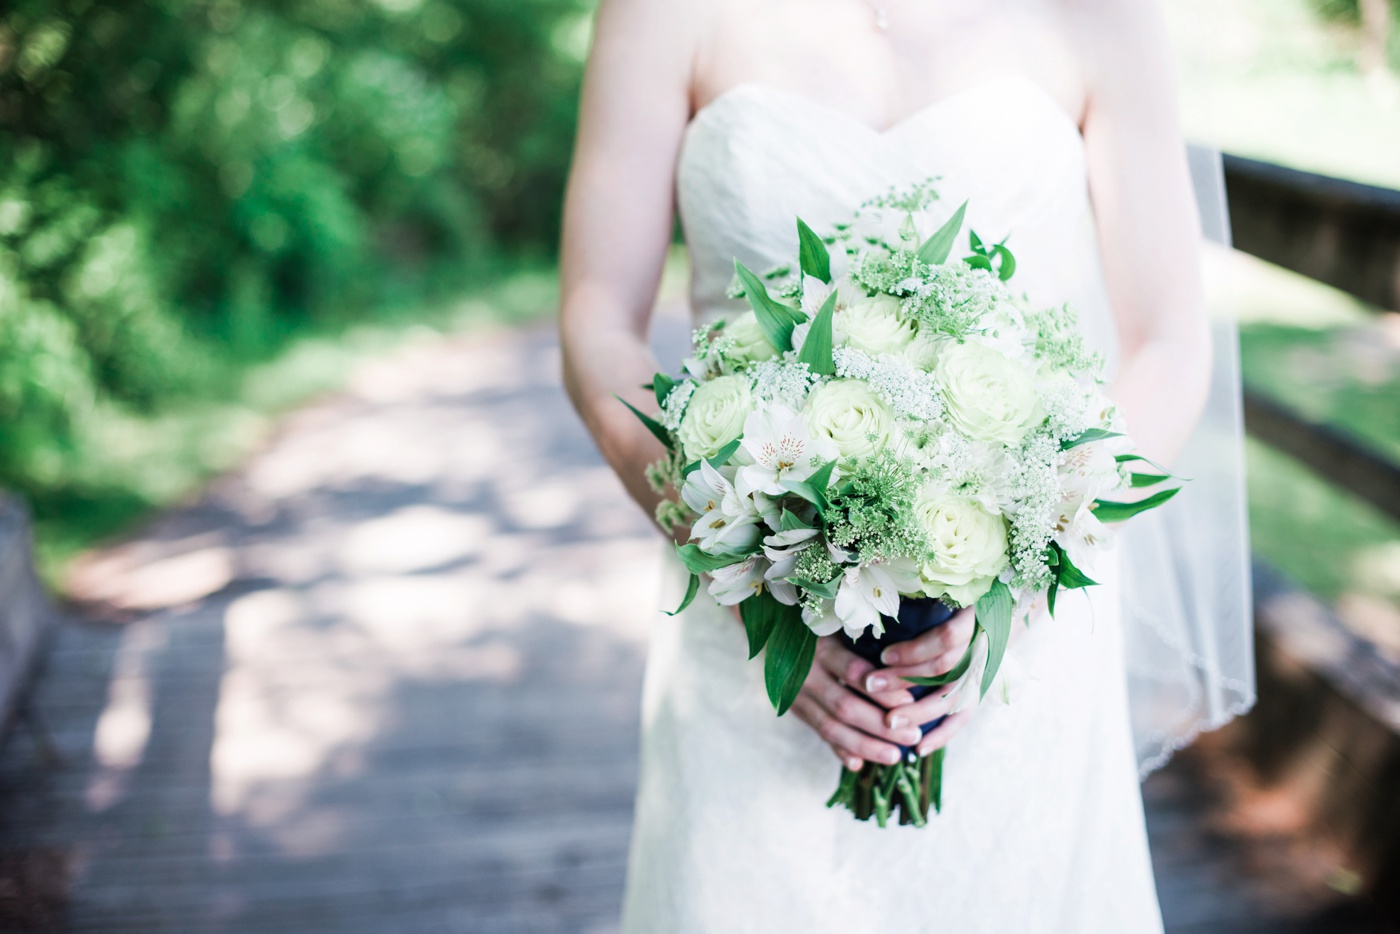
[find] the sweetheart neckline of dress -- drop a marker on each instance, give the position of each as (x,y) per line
(736,92)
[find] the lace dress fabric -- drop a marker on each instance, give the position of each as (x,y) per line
(1042,828)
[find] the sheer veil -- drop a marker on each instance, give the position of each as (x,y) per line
(1186,576)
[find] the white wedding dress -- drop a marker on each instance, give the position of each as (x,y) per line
(1042,825)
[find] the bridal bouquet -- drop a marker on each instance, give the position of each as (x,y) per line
(887,435)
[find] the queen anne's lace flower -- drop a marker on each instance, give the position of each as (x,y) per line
(785,381)
(910,392)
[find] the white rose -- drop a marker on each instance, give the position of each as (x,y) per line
(749,343)
(967,542)
(715,416)
(875,325)
(924,349)
(989,397)
(856,420)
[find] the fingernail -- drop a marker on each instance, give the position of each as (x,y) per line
(896,721)
(910,736)
(891,756)
(890,656)
(876,683)
(853,764)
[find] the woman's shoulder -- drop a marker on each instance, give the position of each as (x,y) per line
(1111,20)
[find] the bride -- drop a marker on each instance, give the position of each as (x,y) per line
(1056,120)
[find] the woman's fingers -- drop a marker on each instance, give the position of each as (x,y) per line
(924,710)
(933,669)
(860,745)
(850,708)
(939,736)
(950,638)
(850,669)
(812,714)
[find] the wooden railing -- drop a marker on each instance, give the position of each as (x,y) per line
(1346,235)
(1325,733)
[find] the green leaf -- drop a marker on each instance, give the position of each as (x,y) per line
(816,349)
(812,254)
(653,426)
(994,617)
(691,590)
(1093,434)
(976,242)
(1066,574)
(759,613)
(813,489)
(775,319)
(1008,262)
(1108,511)
(1148,479)
(662,385)
(1129,458)
(700,562)
(1050,596)
(791,522)
(721,458)
(948,677)
(827,590)
(978,262)
(787,657)
(936,248)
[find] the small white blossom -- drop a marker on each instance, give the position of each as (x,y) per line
(909,391)
(676,401)
(785,381)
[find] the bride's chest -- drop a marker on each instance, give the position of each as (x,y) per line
(756,157)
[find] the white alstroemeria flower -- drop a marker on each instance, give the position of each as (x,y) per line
(1088,472)
(782,549)
(815,292)
(872,590)
(1082,536)
(824,621)
(735,583)
(728,522)
(967,690)
(777,440)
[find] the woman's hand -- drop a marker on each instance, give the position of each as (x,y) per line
(865,713)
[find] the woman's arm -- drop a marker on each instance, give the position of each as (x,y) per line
(1149,231)
(618,220)
(617,227)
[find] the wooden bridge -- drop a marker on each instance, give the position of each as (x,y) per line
(386,678)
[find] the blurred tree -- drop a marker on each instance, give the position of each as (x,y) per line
(1376,25)
(1375,34)
(184,183)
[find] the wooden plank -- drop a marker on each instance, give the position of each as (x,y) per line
(1333,452)
(1340,232)
(25,615)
